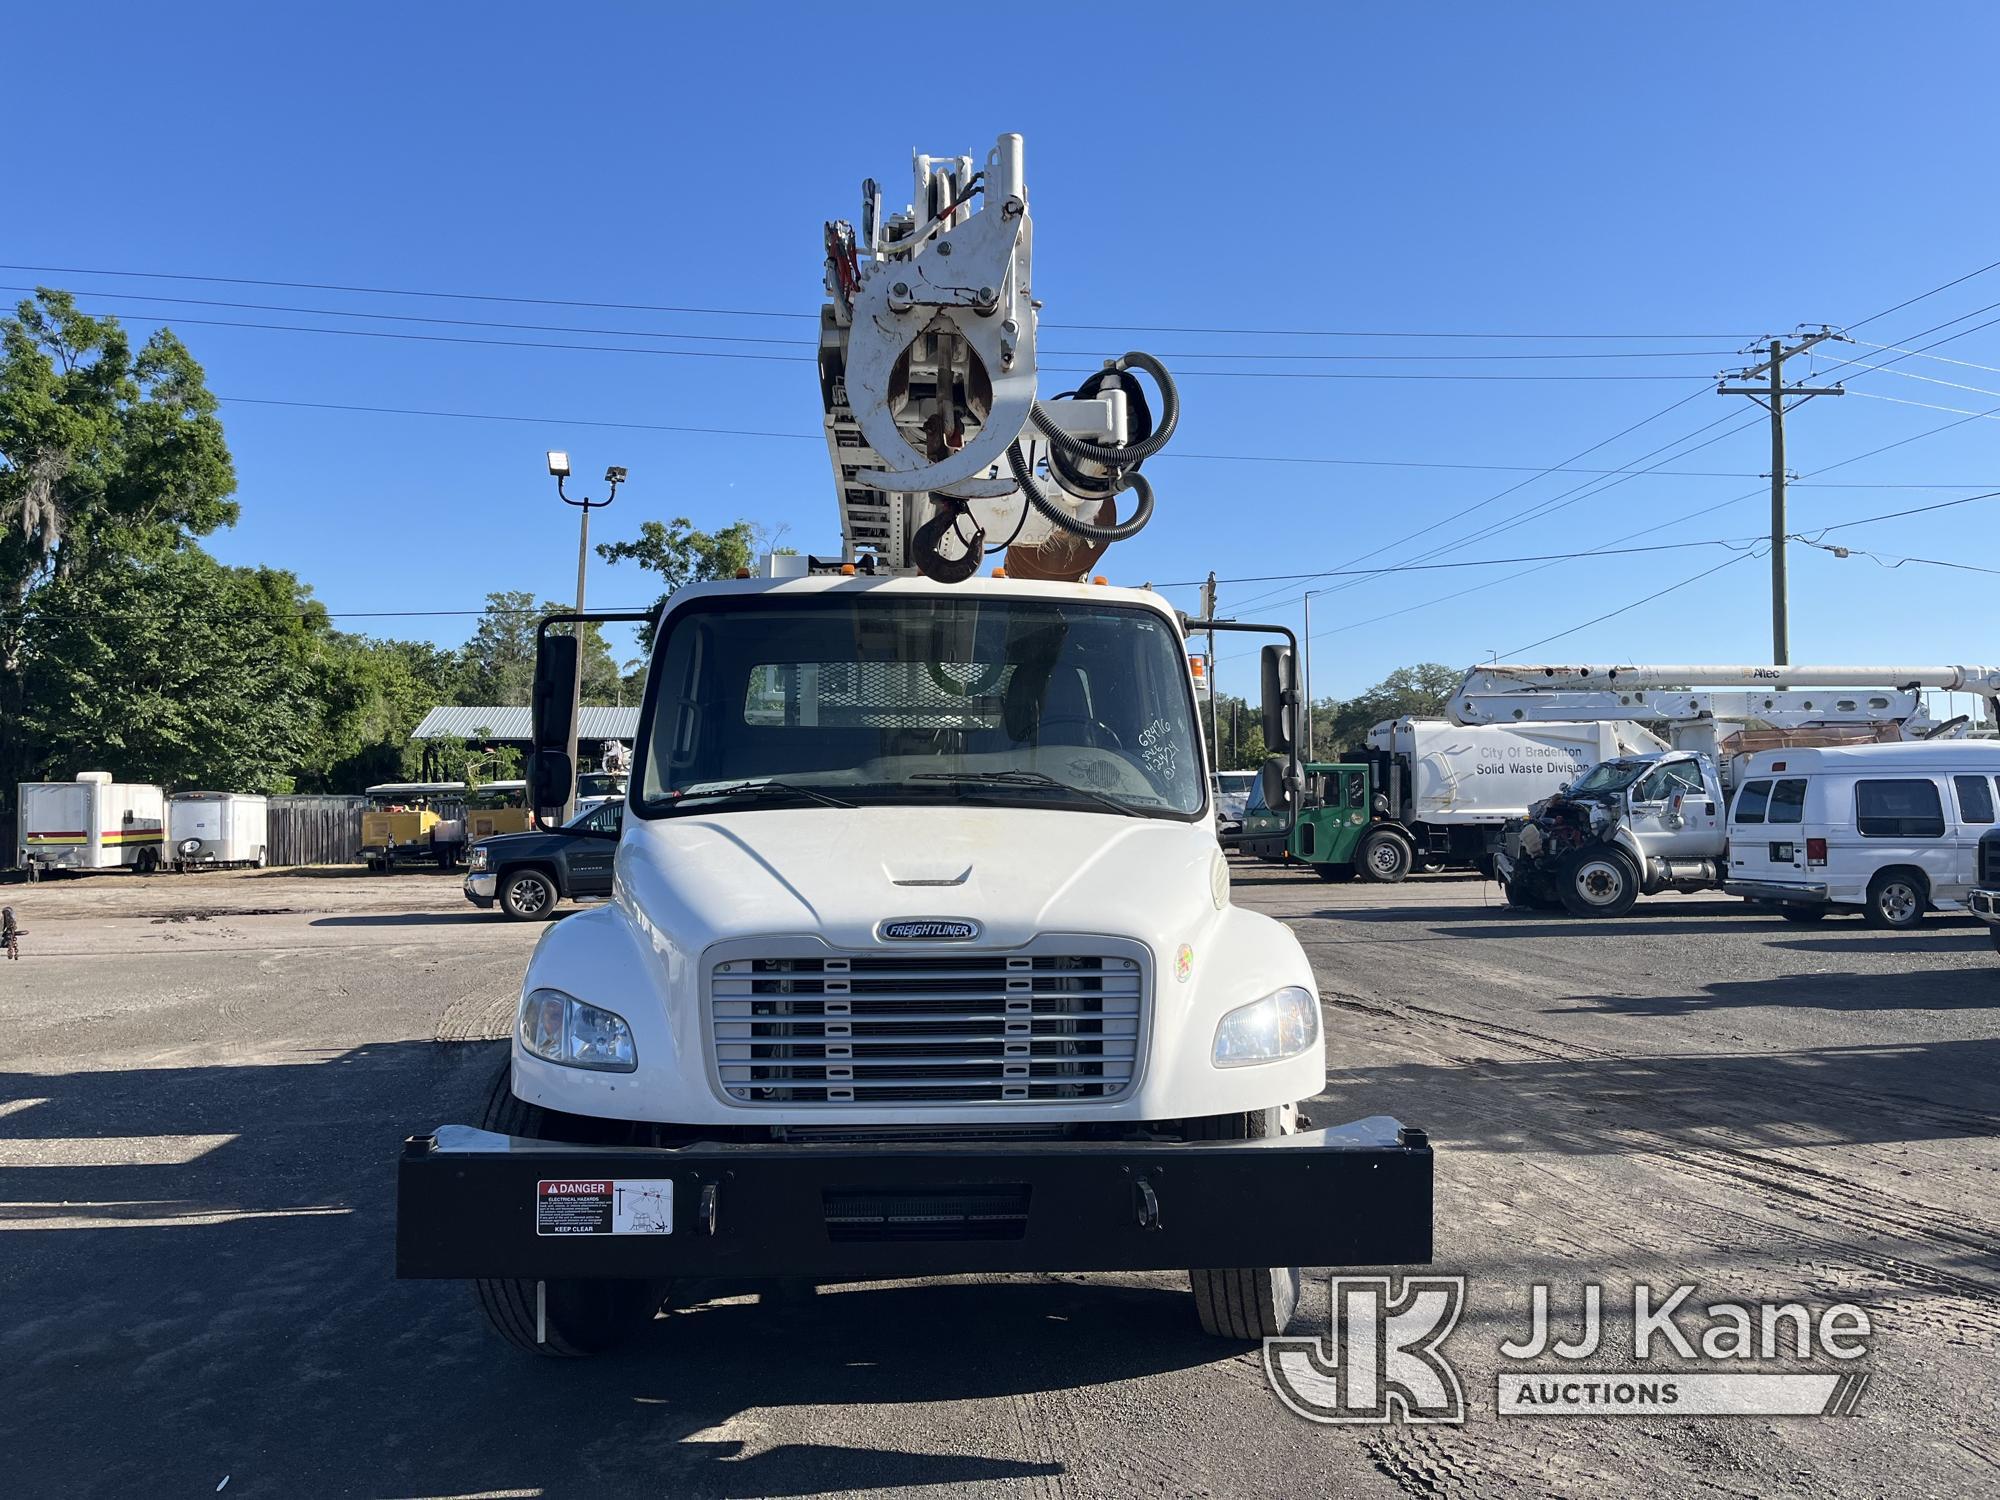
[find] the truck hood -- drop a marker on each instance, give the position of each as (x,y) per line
(840,872)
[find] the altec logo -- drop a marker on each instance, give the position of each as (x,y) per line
(928,930)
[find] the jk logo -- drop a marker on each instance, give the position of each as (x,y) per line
(1382,1362)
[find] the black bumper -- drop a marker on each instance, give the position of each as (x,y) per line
(473,1204)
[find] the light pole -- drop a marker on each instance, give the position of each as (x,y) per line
(613,476)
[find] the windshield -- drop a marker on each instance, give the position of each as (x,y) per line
(881,697)
(1611,776)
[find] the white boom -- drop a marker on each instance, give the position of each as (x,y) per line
(927,377)
(1686,712)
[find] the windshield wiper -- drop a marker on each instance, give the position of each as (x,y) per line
(767,789)
(1031,779)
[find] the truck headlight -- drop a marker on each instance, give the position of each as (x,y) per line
(481,856)
(1280,1025)
(562,1029)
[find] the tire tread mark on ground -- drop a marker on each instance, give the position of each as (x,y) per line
(1731,1167)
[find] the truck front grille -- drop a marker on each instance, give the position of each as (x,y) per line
(1989,861)
(926,1028)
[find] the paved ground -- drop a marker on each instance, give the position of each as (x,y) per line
(204,1082)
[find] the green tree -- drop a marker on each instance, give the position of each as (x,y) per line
(682,555)
(371,694)
(107,457)
(498,663)
(1420,691)
(172,669)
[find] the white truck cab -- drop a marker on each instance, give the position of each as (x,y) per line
(1632,825)
(921,959)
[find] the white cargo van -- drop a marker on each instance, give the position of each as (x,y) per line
(91,823)
(216,828)
(1892,830)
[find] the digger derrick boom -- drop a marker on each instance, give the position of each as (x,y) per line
(927,372)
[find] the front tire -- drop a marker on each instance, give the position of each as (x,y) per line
(1600,882)
(1253,1302)
(1385,855)
(579,1317)
(1897,900)
(528,896)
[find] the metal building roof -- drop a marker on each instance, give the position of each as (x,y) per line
(497,723)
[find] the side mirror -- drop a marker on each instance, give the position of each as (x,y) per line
(550,775)
(1280,704)
(1273,784)
(554,696)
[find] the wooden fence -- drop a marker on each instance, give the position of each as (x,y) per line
(315,830)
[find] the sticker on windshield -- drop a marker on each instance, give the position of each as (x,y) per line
(1159,750)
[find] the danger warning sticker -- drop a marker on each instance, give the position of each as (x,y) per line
(625,1205)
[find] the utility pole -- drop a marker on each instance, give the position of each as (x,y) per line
(1306,675)
(613,476)
(1214,707)
(1771,395)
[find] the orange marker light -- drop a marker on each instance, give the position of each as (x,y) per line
(847,570)
(742,572)
(1100,580)
(999,572)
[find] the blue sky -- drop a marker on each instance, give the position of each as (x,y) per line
(1710,172)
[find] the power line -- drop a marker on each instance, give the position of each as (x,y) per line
(1889,563)
(748,312)
(1723,505)
(1921,296)
(1501,495)
(1928,405)
(1897,515)
(1943,359)
(724,338)
(1635,604)
(1977,390)
(481,416)
(807,359)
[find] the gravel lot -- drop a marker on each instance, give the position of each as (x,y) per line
(206,1078)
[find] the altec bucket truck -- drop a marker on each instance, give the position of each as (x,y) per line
(1657,821)
(921,957)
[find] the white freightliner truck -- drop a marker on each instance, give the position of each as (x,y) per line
(1658,821)
(921,957)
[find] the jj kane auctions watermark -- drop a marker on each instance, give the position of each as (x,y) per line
(1385,1360)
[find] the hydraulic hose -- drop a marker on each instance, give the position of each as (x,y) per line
(1074,448)
(1024,476)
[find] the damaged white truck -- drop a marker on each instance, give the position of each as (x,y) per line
(921,957)
(1658,821)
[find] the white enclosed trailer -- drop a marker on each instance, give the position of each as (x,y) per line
(216,828)
(91,823)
